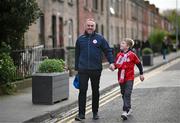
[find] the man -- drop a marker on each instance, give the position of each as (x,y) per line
(164,48)
(88,63)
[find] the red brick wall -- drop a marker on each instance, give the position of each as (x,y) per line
(83,14)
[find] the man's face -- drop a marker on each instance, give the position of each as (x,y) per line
(90,27)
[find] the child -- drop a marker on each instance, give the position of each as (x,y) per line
(125,61)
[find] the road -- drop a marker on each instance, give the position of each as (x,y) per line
(156,100)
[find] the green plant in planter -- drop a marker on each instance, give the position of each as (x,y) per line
(52,65)
(147,51)
(147,57)
(55,79)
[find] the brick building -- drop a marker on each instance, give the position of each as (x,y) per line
(63,21)
(56,27)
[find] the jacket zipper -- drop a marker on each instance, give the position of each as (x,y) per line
(88,51)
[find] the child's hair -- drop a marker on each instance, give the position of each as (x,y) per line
(129,42)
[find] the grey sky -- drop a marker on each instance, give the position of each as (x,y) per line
(165,4)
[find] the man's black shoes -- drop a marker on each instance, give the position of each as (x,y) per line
(95,116)
(79,117)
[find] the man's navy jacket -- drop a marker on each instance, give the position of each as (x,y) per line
(88,54)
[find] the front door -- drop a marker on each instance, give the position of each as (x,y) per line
(61,41)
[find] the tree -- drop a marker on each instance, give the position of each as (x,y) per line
(15,18)
(156,39)
(171,15)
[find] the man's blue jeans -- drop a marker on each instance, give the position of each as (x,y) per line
(164,54)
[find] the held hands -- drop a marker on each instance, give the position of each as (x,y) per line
(112,67)
(141,77)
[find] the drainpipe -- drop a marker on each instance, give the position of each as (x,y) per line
(107,20)
(125,19)
(77,2)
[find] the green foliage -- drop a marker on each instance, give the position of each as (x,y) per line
(147,51)
(52,65)
(16,17)
(156,38)
(174,18)
(4,48)
(9,88)
(7,73)
(7,68)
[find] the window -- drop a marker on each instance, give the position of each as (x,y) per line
(61,0)
(97,28)
(61,37)
(140,14)
(134,10)
(112,3)
(123,34)
(129,12)
(95,4)
(132,33)
(117,35)
(102,5)
(70,2)
(117,7)
(85,3)
(111,35)
(70,32)
(112,7)
(54,32)
(121,8)
(41,31)
(102,29)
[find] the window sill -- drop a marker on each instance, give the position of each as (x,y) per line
(86,8)
(95,10)
(70,3)
(60,1)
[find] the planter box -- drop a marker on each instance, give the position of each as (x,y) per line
(147,60)
(49,88)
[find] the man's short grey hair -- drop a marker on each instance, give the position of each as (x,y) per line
(90,19)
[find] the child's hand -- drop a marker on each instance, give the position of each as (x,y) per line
(112,67)
(141,77)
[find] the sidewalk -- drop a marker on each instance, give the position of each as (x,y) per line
(19,107)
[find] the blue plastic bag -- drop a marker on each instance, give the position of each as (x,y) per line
(76,82)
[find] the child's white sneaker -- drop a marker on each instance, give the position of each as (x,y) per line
(124,115)
(129,112)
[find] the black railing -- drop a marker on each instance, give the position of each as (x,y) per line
(28,60)
(58,53)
